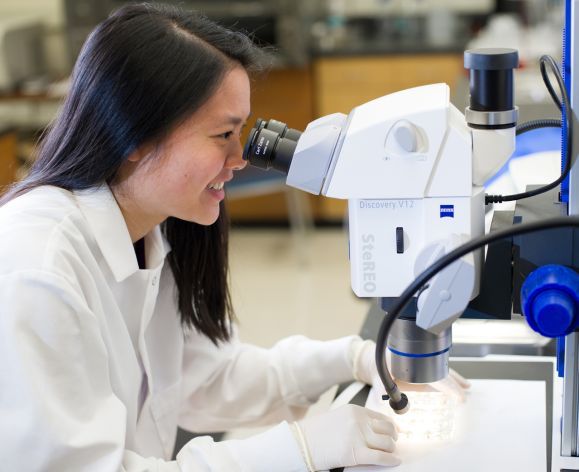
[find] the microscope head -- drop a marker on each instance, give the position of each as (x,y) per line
(386,148)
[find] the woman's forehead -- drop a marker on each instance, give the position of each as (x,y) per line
(232,97)
(228,106)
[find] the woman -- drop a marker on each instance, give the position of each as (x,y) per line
(115,317)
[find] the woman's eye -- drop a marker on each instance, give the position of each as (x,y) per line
(225,135)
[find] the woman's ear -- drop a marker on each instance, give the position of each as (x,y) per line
(138,154)
(131,164)
(144,150)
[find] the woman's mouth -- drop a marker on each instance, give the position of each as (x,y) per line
(216,186)
(216,190)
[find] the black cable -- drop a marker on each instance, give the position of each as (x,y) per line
(395,395)
(536,124)
(548,60)
(549,85)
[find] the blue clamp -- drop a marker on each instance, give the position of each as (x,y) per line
(550,300)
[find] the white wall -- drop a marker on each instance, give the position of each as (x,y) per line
(51,12)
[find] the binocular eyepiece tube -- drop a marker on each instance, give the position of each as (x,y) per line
(271,144)
(491,87)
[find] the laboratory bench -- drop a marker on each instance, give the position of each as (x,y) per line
(501,368)
(531,359)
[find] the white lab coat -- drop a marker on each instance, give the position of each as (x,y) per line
(95,371)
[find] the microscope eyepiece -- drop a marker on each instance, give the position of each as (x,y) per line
(271,144)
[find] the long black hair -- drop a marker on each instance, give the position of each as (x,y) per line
(140,73)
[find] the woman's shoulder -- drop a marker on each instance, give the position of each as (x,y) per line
(37,213)
(43,220)
(41,203)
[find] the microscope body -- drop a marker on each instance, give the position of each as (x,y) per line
(416,189)
(406,163)
(411,166)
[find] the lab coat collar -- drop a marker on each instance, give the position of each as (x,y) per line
(109,228)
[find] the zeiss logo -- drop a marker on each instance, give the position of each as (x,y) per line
(447,211)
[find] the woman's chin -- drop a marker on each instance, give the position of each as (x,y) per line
(205,219)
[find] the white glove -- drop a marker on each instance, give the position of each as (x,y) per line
(363,354)
(347,436)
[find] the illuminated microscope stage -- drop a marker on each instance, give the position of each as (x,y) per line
(500,427)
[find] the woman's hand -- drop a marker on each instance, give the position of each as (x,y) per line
(364,365)
(347,436)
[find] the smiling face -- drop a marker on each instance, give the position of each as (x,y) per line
(185,177)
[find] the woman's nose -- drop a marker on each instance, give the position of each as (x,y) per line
(240,164)
(235,160)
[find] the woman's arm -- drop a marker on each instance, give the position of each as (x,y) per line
(237,384)
(59,411)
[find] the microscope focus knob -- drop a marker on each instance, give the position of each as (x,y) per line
(406,136)
(550,300)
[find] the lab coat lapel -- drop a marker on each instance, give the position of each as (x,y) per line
(109,228)
(160,344)
(161,347)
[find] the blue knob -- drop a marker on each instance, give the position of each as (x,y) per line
(554,311)
(550,300)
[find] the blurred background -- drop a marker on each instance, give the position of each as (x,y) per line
(330,55)
(290,269)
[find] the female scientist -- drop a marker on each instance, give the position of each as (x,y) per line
(115,318)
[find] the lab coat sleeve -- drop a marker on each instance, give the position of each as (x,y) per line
(59,412)
(57,406)
(275,449)
(237,384)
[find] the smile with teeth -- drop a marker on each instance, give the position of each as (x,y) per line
(216,186)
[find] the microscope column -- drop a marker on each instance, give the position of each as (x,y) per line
(417,355)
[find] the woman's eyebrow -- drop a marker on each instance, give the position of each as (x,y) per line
(235,120)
